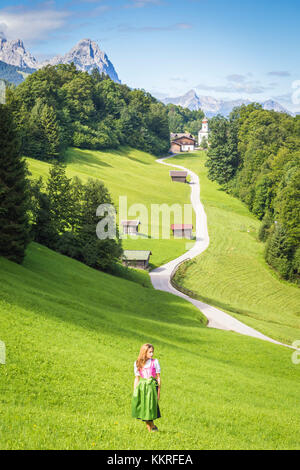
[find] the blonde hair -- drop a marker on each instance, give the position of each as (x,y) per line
(142,359)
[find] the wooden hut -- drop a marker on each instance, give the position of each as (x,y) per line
(179,176)
(130,226)
(136,258)
(182,230)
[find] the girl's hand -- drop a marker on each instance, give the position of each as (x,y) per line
(158,394)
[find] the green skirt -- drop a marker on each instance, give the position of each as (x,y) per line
(144,403)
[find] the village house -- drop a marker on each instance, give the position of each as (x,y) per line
(130,226)
(182,142)
(179,176)
(136,258)
(182,230)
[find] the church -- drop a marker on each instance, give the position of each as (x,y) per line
(203,133)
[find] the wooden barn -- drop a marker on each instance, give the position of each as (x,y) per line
(182,230)
(179,176)
(130,226)
(136,258)
(182,142)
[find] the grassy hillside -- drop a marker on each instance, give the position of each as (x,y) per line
(72,335)
(135,174)
(232,273)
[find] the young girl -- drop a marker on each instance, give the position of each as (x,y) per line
(146,387)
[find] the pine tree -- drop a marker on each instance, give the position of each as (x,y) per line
(34,138)
(278,251)
(59,193)
(95,252)
(51,132)
(14,227)
(43,228)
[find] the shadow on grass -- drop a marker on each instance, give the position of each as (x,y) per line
(84,157)
(99,306)
(127,153)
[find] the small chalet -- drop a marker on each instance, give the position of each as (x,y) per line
(136,258)
(182,142)
(179,176)
(182,230)
(130,226)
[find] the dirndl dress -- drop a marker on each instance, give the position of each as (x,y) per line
(144,404)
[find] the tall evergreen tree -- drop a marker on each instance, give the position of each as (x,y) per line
(43,228)
(59,193)
(51,132)
(95,252)
(14,228)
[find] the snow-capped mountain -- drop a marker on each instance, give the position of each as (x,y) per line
(212,106)
(86,55)
(273,105)
(14,53)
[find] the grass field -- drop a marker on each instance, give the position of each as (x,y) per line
(72,334)
(232,273)
(135,174)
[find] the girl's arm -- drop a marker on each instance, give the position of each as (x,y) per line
(159,384)
(136,381)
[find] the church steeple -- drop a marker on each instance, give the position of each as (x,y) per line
(203,133)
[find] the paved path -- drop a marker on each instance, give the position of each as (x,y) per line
(160,277)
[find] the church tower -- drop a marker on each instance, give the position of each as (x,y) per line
(203,132)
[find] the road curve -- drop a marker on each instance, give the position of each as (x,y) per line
(161,277)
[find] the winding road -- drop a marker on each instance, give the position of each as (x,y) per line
(161,277)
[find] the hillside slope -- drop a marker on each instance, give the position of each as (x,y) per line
(136,175)
(232,273)
(72,335)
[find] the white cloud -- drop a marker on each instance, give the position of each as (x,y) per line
(31,25)
(280,73)
(126,28)
(236,78)
(235,87)
(142,3)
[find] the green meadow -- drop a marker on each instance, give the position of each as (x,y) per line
(72,334)
(232,273)
(136,175)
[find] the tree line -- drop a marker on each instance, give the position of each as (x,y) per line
(60,214)
(184,120)
(255,156)
(60,106)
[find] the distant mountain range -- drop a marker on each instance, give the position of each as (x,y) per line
(16,63)
(13,73)
(212,106)
(86,55)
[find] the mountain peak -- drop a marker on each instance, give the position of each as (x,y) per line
(212,106)
(191,94)
(14,53)
(86,55)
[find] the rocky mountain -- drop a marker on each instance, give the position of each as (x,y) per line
(212,106)
(86,55)
(13,73)
(14,53)
(270,104)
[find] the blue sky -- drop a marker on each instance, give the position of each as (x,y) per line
(225,49)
